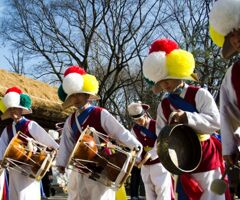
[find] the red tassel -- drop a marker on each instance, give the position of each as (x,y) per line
(191,187)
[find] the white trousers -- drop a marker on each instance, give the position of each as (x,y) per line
(2,179)
(157,182)
(205,179)
(23,188)
(80,187)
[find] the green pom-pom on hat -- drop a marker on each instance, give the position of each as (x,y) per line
(25,101)
(61,94)
(151,83)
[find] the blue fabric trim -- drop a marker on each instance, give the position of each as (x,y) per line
(6,184)
(147,132)
(81,118)
(218,136)
(18,127)
(21,123)
(180,103)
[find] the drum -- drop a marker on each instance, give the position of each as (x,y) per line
(28,156)
(179,149)
(101,159)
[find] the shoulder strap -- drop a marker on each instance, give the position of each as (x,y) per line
(146,132)
(181,103)
(81,118)
(186,104)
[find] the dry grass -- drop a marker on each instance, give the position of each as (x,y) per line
(44,97)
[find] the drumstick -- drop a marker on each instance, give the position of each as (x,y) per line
(144,160)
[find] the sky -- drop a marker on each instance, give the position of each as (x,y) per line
(4,51)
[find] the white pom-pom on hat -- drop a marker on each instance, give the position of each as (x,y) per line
(72,83)
(154,66)
(11,99)
(225,16)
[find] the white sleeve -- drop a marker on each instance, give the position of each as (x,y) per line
(117,131)
(133,133)
(4,141)
(229,123)
(67,145)
(207,119)
(39,134)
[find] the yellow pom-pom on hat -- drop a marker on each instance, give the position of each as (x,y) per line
(224,18)
(217,38)
(77,81)
(167,61)
(180,65)
(90,84)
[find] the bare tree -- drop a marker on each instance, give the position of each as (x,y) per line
(190,28)
(107,38)
(16,62)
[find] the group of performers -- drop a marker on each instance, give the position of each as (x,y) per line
(168,67)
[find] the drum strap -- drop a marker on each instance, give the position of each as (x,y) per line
(146,132)
(181,103)
(80,120)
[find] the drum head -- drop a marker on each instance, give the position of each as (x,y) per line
(27,156)
(179,149)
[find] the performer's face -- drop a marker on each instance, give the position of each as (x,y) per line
(15,113)
(81,99)
(169,85)
(235,40)
(141,121)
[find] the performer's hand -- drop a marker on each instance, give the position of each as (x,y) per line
(137,161)
(178,117)
(61,169)
(138,149)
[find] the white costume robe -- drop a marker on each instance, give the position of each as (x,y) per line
(230,114)
(80,187)
(157,180)
(206,121)
(22,187)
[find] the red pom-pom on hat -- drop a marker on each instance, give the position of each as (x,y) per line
(14,89)
(74,69)
(165,45)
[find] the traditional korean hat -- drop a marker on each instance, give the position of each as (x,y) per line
(14,98)
(167,61)
(223,19)
(137,109)
(76,81)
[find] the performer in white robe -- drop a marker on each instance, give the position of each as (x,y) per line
(157,180)
(22,187)
(224,20)
(79,88)
(168,66)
